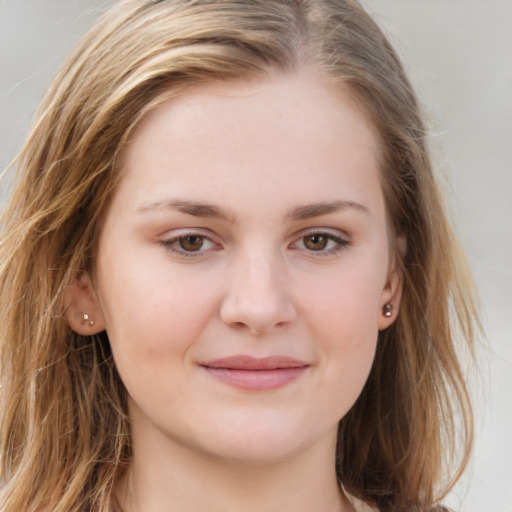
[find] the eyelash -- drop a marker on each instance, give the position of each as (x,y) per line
(170,245)
(341,243)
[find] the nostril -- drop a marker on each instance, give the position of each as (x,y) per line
(257,305)
(243,326)
(257,330)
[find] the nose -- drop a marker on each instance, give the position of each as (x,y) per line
(257,297)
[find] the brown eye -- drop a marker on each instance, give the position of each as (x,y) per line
(316,242)
(191,243)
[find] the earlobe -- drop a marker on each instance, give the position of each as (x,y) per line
(392,292)
(390,304)
(82,308)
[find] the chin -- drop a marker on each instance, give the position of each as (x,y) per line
(255,454)
(258,444)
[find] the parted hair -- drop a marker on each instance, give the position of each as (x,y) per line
(65,433)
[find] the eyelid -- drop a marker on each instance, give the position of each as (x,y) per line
(168,242)
(342,239)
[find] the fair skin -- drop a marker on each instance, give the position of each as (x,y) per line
(249,224)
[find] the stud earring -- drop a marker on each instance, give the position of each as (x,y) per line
(86,319)
(387,310)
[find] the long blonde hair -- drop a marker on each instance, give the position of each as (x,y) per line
(65,435)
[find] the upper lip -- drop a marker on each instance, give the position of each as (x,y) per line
(244,362)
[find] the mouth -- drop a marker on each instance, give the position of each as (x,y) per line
(256,374)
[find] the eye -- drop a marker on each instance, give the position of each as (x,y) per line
(321,242)
(192,243)
(189,244)
(316,242)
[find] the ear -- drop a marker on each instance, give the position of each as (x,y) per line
(82,308)
(392,292)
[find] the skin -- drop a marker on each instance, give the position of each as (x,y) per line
(290,258)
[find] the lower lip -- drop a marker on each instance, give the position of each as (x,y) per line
(257,380)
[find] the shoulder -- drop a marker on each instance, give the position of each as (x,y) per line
(361,506)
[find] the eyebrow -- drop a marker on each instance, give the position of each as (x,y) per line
(200,209)
(309,211)
(196,209)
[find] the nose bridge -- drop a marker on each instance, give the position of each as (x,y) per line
(258,295)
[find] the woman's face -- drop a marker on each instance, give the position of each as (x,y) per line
(243,265)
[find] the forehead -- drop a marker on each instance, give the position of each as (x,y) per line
(307,97)
(298,132)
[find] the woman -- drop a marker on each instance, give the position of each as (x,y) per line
(227,275)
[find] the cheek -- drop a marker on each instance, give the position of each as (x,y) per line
(344,305)
(153,324)
(344,318)
(152,312)
(348,341)
(348,351)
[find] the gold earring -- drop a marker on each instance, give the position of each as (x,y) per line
(86,320)
(387,310)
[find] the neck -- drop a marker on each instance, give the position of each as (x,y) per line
(166,476)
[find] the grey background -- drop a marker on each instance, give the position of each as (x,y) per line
(459,54)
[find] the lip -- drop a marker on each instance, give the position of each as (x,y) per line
(256,374)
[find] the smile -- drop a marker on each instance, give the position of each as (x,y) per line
(254,374)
